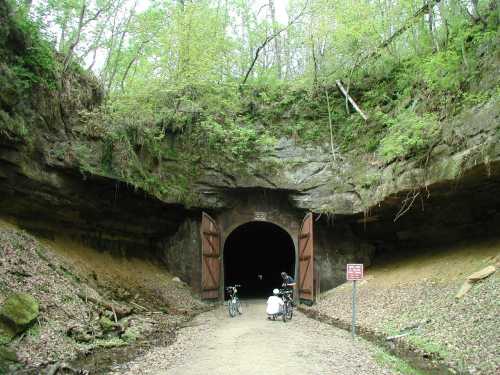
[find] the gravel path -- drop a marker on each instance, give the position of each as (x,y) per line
(251,344)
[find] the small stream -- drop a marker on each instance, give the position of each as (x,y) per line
(418,360)
(102,361)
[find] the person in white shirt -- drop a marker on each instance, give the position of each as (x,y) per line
(274,304)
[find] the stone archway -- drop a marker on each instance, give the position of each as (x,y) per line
(271,210)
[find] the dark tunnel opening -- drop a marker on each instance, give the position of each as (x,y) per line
(258,248)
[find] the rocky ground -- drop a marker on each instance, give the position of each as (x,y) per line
(461,333)
(214,343)
(80,314)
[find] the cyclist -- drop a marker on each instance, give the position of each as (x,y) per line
(288,281)
(288,284)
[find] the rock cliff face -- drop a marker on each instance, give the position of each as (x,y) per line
(48,194)
(316,180)
(450,192)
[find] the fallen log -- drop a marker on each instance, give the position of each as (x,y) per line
(391,338)
(482,274)
(351,100)
(475,277)
(408,330)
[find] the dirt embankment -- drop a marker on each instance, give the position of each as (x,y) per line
(89,302)
(413,296)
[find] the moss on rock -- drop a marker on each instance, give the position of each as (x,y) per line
(17,313)
(106,324)
(8,358)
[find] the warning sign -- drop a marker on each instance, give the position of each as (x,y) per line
(354,271)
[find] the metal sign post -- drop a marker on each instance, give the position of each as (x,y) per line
(354,273)
(353,324)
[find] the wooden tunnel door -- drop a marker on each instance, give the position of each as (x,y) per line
(306,259)
(210,258)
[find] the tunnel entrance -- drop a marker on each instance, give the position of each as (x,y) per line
(258,248)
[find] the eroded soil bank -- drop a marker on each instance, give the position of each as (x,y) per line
(94,309)
(413,295)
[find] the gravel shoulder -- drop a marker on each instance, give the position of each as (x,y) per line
(214,343)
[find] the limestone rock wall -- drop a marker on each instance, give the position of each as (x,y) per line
(182,252)
(336,245)
(349,184)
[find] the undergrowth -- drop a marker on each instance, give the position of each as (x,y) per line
(395,363)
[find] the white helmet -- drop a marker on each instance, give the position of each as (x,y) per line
(276,291)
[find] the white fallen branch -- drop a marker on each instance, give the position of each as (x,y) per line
(138,306)
(351,100)
(408,330)
(391,338)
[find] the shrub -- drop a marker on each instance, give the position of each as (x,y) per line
(408,133)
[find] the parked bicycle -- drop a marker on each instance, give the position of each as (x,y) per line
(233,304)
(287,309)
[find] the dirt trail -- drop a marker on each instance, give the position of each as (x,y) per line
(251,344)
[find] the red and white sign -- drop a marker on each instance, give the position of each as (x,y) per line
(354,271)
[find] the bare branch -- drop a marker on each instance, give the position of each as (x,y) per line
(419,13)
(81,25)
(132,61)
(69,54)
(268,39)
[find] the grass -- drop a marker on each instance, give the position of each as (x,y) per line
(395,363)
(110,343)
(131,334)
(428,345)
(34,331)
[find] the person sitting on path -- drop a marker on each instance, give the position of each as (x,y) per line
(274,304)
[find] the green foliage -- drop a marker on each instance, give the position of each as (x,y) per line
(429,346)
(408,133)
(34,62)
(112,342)
(131,334)
(397,364)
(27,60)
(238,142)
(442,71)
(12,127)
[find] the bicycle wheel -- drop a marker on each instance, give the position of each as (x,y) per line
(239,309)
(231,308)
(289,311)
(284,312)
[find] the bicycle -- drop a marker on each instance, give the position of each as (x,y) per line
(234,304)
(287,309)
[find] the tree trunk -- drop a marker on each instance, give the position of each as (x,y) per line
(120,45)
(432,28)
(444,16)
(27,4)
(315,64)
(277,49)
